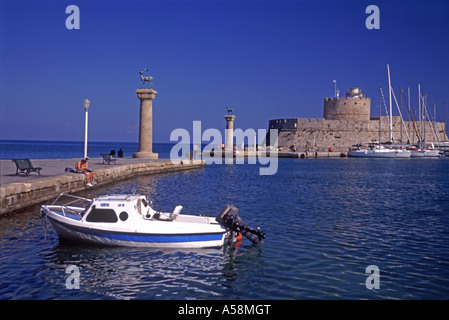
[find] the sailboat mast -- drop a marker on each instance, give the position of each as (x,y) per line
(445,120)
(409,112)
(400,111)
(424,112)
(419,113)
(437,138)
(390,137)
(380,113)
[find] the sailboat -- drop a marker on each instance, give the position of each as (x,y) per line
(416,152)
(373,150)
(422,149)
(378,151)
(431,152)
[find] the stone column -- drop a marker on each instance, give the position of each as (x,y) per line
(229,140)
(146,97)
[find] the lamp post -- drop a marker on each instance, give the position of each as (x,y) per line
(86,109)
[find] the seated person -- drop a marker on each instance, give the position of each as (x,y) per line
(82,167)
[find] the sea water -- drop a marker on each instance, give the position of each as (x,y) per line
(326,221)
(10,149)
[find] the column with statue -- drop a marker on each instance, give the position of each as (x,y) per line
(146,97)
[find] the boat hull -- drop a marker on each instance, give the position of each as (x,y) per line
(417,154)
(432,153)
(379,154)
(73,230)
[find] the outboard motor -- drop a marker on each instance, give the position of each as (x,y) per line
(230,219)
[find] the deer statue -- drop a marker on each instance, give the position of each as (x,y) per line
(230,111)
(145,79)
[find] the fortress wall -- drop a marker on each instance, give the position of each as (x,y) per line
(320,134)
(347,122)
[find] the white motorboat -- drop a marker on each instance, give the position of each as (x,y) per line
(129,220)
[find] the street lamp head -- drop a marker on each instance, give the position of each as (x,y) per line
(86,104)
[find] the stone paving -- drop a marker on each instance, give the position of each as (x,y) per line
(56,167)
(21,191)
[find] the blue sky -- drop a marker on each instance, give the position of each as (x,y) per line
(265,59)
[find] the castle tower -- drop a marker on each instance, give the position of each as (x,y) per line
(146,97)
(356,106)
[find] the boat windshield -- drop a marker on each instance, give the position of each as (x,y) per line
(67,200)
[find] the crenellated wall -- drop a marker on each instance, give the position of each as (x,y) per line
(350,108)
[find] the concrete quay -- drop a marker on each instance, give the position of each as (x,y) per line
(283,154)
(18,192)
(311,154)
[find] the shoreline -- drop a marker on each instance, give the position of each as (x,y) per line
(18,192)
(281,154)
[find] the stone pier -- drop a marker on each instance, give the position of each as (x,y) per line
(18,192)
(146,97)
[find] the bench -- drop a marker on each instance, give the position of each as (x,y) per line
(25,166)
(107,158)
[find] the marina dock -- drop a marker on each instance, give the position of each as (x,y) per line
(20,191)
(311,154)
(282,154)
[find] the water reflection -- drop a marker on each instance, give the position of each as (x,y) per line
(240,265)
(142,273)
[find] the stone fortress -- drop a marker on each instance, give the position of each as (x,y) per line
(347,122)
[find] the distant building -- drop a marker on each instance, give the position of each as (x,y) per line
(347,122)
